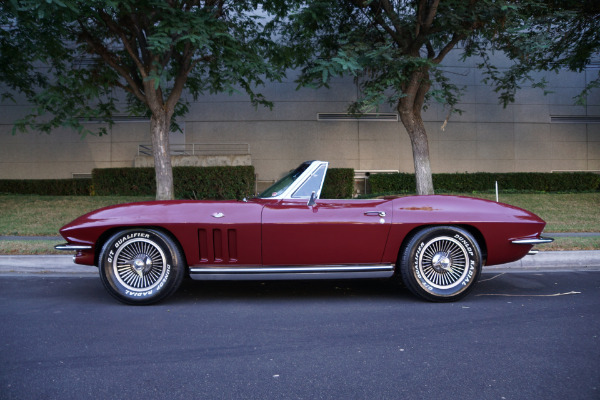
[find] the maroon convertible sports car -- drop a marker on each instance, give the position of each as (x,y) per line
(436,245)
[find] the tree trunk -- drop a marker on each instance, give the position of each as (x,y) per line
(159,125)
(409,108)
(420,147)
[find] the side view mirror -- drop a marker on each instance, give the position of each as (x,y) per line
(312,200)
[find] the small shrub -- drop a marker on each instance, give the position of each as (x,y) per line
(480,181)
(189,182)
(47,187)
(339,183)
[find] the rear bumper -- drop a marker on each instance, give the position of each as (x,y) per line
(530,241)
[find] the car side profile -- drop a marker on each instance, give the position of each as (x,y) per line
(436,245)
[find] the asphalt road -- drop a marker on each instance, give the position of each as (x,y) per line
(517,336)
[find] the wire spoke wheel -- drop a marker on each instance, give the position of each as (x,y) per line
(440,263)
(443,262)
(139,264)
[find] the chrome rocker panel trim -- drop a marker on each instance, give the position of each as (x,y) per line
(72,247)
(213,272)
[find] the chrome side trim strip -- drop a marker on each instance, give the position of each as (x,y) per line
(213,272)
(72,247)
(533,241)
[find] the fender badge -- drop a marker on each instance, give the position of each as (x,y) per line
(218,215)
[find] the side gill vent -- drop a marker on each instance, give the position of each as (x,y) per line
(217,246)
(375,117)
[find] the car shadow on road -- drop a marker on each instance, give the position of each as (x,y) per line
(290,290)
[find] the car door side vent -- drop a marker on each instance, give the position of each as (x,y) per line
(232,244)
(203,245)
(218,245)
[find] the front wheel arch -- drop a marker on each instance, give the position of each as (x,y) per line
(110,232)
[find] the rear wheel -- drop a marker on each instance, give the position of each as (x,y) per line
(141,266)
(440,263)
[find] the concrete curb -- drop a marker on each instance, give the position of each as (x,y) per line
(43,264)
(545,260)
(557,260)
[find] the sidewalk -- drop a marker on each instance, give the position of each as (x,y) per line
(543,261)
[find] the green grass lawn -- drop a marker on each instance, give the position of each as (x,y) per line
(570,212)
(44,215)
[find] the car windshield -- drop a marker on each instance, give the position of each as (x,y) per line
(281,185)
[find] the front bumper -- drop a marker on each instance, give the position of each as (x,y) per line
(72,247)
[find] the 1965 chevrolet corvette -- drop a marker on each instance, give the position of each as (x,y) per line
(436,245)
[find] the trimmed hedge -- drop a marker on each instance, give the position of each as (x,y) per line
(124,181)
(216,183)
(47,187)
(480,181)
(339,183)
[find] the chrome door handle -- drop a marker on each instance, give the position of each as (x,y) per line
(378,213)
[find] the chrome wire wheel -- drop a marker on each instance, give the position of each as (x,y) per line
(443,262)
(139,264)
(440,263)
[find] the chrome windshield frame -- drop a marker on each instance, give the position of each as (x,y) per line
(300,180)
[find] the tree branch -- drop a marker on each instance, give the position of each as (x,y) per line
(112,61)
(128,46)
(431,15)
(455,39)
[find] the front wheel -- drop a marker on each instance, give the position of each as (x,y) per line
(440,263)
(141,266)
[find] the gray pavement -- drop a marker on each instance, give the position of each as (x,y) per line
(543,261)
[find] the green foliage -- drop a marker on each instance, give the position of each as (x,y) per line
(75,59)
(391,46)
(190,182)
(545,36)
(482,181)
(47,187)
(216,183)
(124,181)
(339,184)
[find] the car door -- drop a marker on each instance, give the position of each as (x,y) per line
(328,232)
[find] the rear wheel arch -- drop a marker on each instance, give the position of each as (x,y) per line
(476,233)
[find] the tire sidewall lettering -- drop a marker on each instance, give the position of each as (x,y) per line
(170,272)
(472,261)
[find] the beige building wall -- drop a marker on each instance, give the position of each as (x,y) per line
(524,136)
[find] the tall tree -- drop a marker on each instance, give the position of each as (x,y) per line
(550,35)
(394,49)
(73,58)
